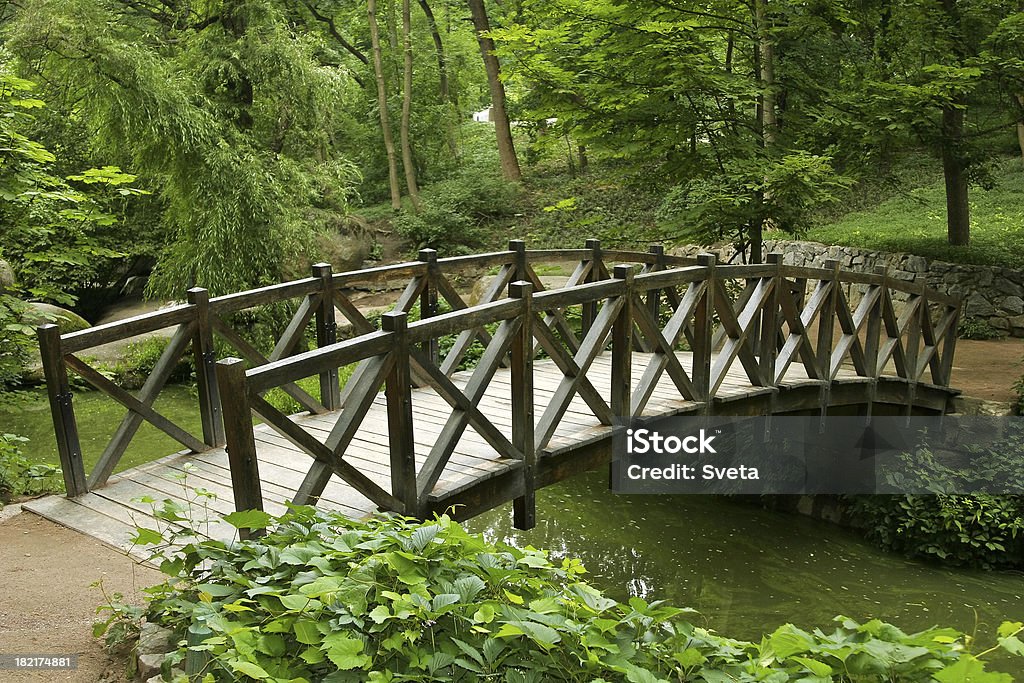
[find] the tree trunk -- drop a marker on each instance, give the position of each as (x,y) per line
(382,105)
(767,124)
(502,128)
(1020,126)
(958,212)
(769,120)
(954,165)
(407,163)
(448,99)
(442,62)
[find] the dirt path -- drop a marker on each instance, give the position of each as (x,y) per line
(988,369)
(47,605)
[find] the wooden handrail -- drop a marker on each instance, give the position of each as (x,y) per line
(761,317)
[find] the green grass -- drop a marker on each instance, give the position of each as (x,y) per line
(915,222)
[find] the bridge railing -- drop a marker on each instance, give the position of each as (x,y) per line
(206,328)
(765,317)
(761,318)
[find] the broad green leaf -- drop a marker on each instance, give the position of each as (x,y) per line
(144,536)
(1008,628)
(691,656)
(250,669)
(967,669)
(788,640)
(344,651)
(814,666)
(249,519)
(306,632)
(485,614)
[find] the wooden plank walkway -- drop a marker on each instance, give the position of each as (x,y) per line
(112,512)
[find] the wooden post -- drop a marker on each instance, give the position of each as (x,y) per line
(61,410)
(518,249)
(622,348)
(398,392)
(654,295)
(590,308)
(826,322)
(702,331)
(428,301)
(826,330)
(524,508)
(873,327)
(769,340)
(640,343)
(327,334)
(949,347)
(241,442)
(205,358)
(913,349)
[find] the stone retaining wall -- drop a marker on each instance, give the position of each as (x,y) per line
(990,293)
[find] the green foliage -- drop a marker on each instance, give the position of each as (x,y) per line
(229,120)
(21,477)
(455,211)
(325,598)
(914,221)
(140,358)
(16,340)
(976,328)
(748,194)
(54,234)
(983,531)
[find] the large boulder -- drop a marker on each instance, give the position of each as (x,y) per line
(41,314)
(345,251)
(345,242)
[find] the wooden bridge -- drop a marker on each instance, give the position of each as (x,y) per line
(450,404)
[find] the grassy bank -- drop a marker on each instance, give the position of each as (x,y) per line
(914,221)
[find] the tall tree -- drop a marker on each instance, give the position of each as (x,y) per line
(382,105)
(407,160)
(219,106)
(951,140)
(499,114)
(446,95)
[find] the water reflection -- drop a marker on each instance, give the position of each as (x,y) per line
(748,570)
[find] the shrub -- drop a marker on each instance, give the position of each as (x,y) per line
(21,477)
(977,530)
(455,210)
(976,328)
(141,357)
(981,531)
(16,340)
(324,598)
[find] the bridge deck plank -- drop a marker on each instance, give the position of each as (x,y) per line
(110,514)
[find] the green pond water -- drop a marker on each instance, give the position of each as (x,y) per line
(744,569)
(98,417)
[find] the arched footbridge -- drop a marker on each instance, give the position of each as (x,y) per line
(446,402)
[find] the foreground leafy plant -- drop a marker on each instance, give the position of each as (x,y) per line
(323,598)
(21,477)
